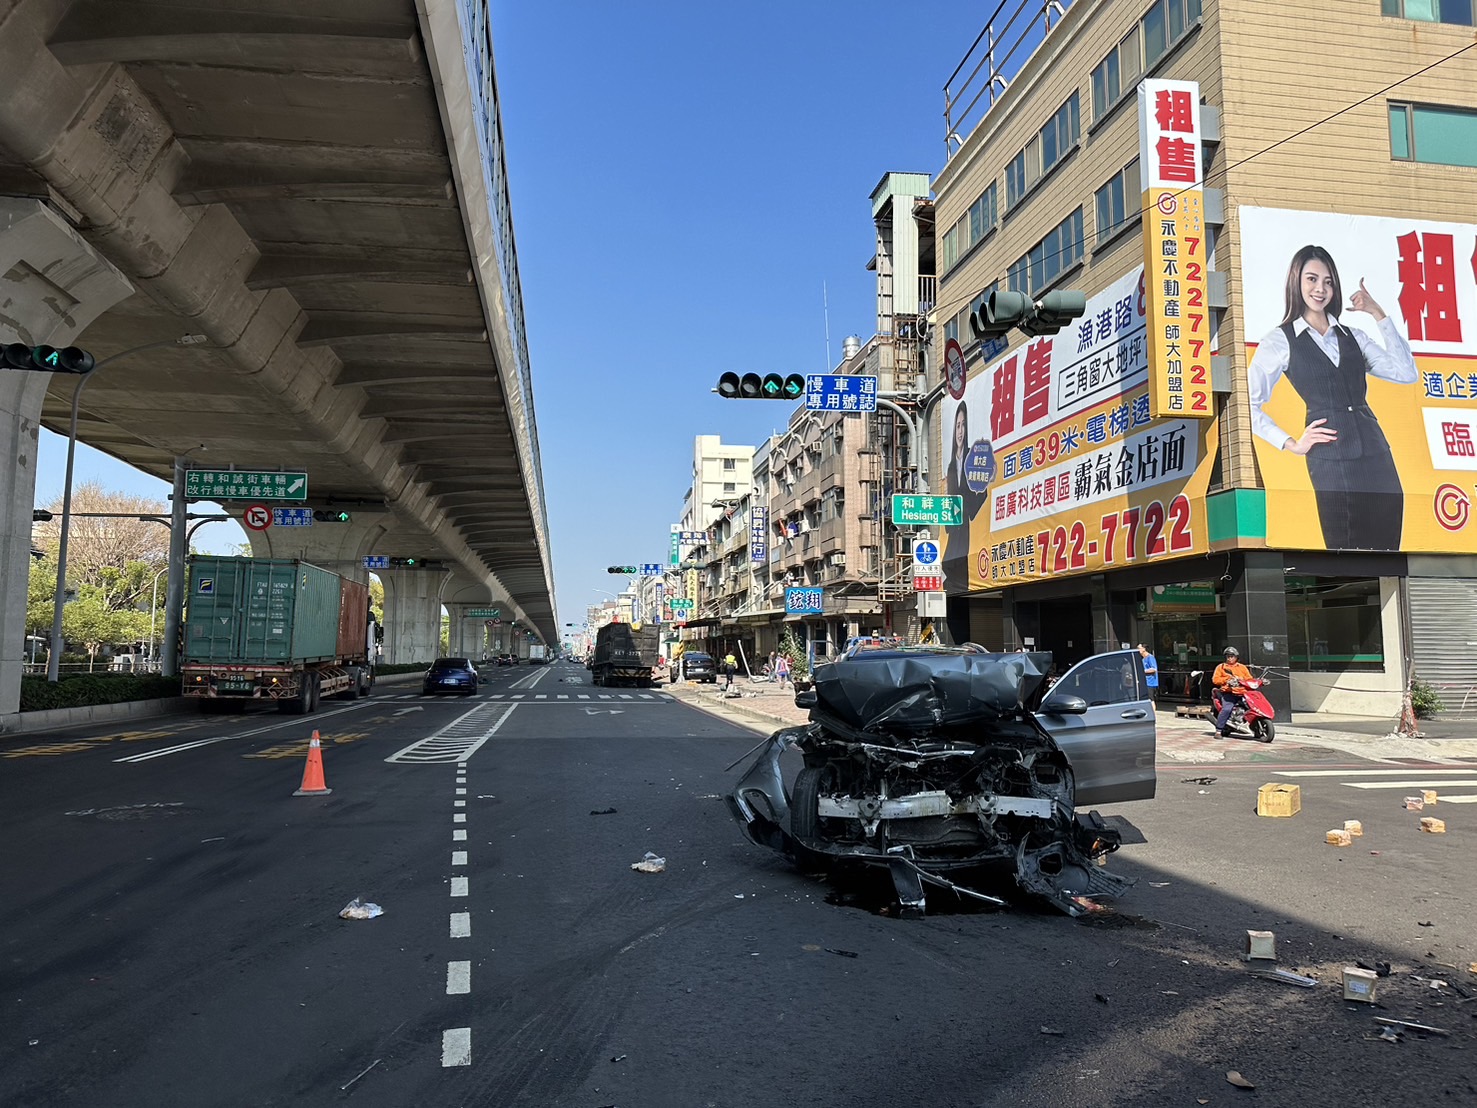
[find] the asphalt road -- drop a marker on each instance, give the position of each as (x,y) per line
(170,931)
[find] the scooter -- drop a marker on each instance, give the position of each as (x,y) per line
(1252,718)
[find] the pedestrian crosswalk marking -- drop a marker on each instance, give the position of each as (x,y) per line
(1403,770)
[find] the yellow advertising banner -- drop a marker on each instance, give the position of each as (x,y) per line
(1062,467)
(1361,337)
(1175,250)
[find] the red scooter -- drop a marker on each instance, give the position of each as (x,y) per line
(1253,718)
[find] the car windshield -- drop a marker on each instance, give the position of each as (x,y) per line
(451,663)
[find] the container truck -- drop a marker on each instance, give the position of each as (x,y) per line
(625,654)
(274,629)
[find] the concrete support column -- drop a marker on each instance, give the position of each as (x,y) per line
(412,614)
(53,285)
(1256,618)
(457,637)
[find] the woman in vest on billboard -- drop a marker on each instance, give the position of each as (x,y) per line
(1355,483)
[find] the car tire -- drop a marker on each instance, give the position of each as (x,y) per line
(805,819)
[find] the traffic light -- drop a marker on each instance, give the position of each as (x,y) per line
(629,571)
(328,515)
(1004,309)
(405,563)
(40,515)
(48,359)
(771,386)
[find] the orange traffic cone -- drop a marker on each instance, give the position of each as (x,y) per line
(313,783)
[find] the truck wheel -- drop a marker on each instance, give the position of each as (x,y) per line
(315,692)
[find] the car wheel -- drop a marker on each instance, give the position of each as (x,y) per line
(805,819)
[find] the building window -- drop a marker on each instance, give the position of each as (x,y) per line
(1165,24)
(1115,73)
(730,463)
(730,486)
(1045,150)
(1430,11)
(978,220)
(1439,136)
(1060,134)
(1118,202)
(1061,249)
(1333,624)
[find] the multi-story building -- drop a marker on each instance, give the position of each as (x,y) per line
(1314,515)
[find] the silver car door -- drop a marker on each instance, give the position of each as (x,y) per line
(1111,745)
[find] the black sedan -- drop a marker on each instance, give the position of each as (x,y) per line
(451,675)
(697,666)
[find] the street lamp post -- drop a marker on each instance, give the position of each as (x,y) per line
(153,611)
(53,662)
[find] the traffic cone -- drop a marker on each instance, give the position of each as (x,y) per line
(313,783)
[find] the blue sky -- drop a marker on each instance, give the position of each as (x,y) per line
(685,179)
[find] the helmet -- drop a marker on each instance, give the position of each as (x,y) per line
(1232,652)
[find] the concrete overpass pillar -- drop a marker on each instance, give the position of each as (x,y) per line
(412,614)
(54,285)
(463,641)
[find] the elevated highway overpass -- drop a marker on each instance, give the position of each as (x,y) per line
(318,188)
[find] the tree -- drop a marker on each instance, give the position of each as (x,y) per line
(131,548)
(377,599)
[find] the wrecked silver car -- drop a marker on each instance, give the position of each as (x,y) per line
(945,765)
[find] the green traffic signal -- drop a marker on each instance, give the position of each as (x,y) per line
(49,359)
(330,516)
(771,386)
(629,571)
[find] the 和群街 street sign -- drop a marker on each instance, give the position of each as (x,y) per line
(927,511)
(245,484)
(484,613)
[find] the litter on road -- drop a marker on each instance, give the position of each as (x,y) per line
(1287,977)
(649,863)
(357,909)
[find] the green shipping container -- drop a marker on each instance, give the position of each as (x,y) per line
(260,611)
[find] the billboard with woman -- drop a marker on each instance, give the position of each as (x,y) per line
(1361,379)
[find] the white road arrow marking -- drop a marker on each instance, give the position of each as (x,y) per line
(402,711)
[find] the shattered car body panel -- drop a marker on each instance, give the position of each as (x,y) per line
(940,764)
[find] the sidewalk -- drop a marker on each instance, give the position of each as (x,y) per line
(1181,738)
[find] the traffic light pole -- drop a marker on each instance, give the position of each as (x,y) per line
(174,595)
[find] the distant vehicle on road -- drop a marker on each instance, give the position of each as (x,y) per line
(625,654)
(505,660)
(451,675)
(697,666)
(538,654)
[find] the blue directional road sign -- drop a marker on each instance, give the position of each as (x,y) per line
(840,392)
(292,517)
(651,569)
(376,561)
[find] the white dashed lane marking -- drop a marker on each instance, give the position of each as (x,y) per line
(461,925)
(456,1047)
(458,978)
(458,886)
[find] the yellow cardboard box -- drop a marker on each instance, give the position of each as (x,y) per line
(1277,799)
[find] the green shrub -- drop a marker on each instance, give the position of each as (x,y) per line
(1424,700)
(81,690)
(401,667)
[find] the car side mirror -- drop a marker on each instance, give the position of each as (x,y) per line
(806,699)
(1064,704)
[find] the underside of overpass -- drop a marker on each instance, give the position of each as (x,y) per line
(317,188)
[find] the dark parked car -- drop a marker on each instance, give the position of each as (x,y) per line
(451,675)
(697,666)
(945,765)
(505,660)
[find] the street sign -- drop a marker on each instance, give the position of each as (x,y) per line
(927,511)
(651,569)
(679,603)
(292,517)
(376,561)
(925,555)
(840,392)
(244,484)
(257,516)
(931,582)
(484,613)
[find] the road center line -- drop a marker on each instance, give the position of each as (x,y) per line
(458,978)
(456,1046)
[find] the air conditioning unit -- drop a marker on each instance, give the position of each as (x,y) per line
(838,559)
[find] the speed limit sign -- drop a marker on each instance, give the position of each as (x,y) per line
(257,516)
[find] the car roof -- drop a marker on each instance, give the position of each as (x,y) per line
(448,662)
(696,654)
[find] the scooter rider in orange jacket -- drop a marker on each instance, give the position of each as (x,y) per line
(1227,679)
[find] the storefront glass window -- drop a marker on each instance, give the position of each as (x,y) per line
(1333,624)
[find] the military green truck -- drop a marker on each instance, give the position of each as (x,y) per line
(625,654)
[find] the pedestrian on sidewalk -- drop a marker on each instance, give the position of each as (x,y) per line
(771,671)
(1151,671)
(730,667)
(782,671)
